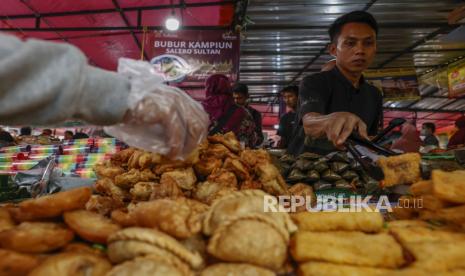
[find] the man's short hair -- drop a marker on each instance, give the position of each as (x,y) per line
(431,126)
(290,89)
(241,88)
(26,131)
(351,17)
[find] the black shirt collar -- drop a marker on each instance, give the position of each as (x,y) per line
(336,72)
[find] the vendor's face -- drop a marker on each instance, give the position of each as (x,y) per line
(290,99)
(355,47)
(240,99)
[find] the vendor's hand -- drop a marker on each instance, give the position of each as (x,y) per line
(341,124)
(336,126)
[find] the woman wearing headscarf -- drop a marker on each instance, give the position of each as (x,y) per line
(459,136)
(224,114)
(409,141)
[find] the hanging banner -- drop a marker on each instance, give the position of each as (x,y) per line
(456,77)
(190,57)
(396,84)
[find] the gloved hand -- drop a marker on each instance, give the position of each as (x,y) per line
(160,118)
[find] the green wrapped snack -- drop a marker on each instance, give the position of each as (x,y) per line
(343,184)
(349,175)
(296,175)
(322,185)
(340,157)
(313,176)
(339,167)
(303,164)
(330,176)
(287,158)
(320,166)
(310,156)
(284,169)
(354,165)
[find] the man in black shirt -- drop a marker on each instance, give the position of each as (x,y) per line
(428,130)
(287,122)
(241,96)
(335,103)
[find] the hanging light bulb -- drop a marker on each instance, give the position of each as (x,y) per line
(172,22)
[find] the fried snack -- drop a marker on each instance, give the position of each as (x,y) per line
(142,191)
(352,248)
(102,204)
(227,139)
(134,242)
(73,264)
(54,205)
(423,187)
(235,270)
(80,247)
(305,191)
(106,187)
(251,185)
(217,151)
(196,243)
(36,237)
(236,166)
(404,213)
(406,224)
(180,218)
(6,222)
(14,263)
(145,160)
(430,202)
(400,169)
(167,189)
(20,216)
(127,180)
(253,157)
(449,186)
(453,214)
(169,165)
(184,178)
(406,235)
(108,170)
(243,203)
(208,191)
(370,222)
(150,266)
(438,256)
(255,239)
(123,218)
(320,268)
(90,226)
(223,177)
(122,157)
(207,165)
(133,162)
(272,181)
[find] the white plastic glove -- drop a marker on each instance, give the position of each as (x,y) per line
(161,118)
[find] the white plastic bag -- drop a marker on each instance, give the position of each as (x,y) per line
(161,118)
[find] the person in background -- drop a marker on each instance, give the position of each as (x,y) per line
(25,131)
(241,97)
(336,103)
(428,130)
(6,139)
(287,123)
(409,141)
(46,132)
(458,138)
(80,135)
(224,114)
(66,87)
(68,135)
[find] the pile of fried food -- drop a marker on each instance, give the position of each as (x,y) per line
(363,244)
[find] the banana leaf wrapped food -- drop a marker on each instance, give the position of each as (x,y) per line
(339,167)
(296,175)
(313,176)
(330,176)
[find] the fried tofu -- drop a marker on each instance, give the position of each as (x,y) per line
(423,187)
(400,169)
(438,256)
(453,214)
(352,248)
(320,268)
(449,186)
(406,235)
(331,221)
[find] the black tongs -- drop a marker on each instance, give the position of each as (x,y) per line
(368,165)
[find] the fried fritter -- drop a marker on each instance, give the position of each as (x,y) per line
(107,170)
(36,237)
(80,247)
(54,205)
(106,187)
(142,191)
(123,218)
(14,263)
(128,179)
(235,270)
(227,139)
(224,178)
(207,165)
(102,204)
(73,264)
(90,226)
(167,189)
(154,265)
(217,151)
(251,185)
(272,181)
(122,157)
(208,191)
(306,192)
(253,157)
(6,222)
(237,167)
(184,178)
